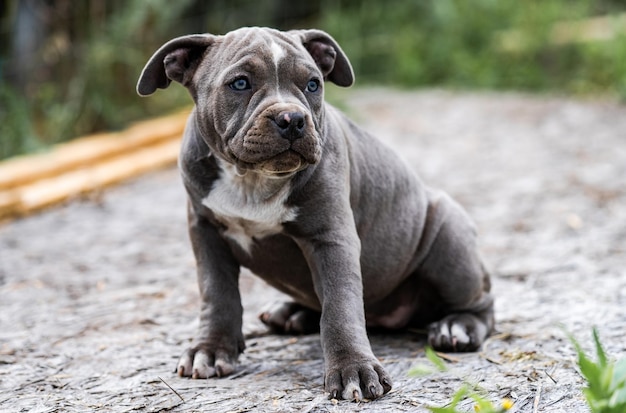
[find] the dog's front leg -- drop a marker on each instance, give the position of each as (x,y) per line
(352,370)
(219,340)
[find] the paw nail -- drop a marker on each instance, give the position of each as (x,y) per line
(181,371)
(356,396)
(386,385)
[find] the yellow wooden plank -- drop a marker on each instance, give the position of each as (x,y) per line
(89,150)
(42,193)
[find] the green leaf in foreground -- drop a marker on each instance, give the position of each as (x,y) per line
(481,404)
(606,380)
(422,369)
(435,359)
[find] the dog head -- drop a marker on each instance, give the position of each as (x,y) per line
(258,92)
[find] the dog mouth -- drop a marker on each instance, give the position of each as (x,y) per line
(283,164)
(275,158)
(275,143)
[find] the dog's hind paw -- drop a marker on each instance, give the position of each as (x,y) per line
(291,318)
(457,332)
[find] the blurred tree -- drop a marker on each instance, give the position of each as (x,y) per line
(28,35)
(69,67)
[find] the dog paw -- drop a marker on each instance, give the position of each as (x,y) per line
(291,318)
(202,362)
(457,333)
(357,381)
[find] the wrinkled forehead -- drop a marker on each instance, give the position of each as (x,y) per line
(272,47)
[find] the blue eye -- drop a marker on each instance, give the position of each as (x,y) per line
(240,84)
(313,85)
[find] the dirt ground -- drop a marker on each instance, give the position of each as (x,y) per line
(98,297)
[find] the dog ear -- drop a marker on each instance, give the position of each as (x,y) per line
(176,60)
(328,56)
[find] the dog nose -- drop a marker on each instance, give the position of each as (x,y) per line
(290,124)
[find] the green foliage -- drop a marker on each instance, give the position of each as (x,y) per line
(478,44)
(606,390)
(459,396)
(90,78)
(481,404)
(15,128)
(436,364)
(94,51)
(101,95)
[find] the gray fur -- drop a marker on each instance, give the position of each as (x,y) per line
(285,185)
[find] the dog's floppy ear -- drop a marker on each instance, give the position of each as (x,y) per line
(176,60)
(328,56)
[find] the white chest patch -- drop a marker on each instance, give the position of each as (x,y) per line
(250,206)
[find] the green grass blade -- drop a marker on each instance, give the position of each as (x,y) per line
(435,359)
(602,360)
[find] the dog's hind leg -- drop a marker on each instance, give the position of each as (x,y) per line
(456,271)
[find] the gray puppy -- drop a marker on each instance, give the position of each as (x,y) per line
(282,183)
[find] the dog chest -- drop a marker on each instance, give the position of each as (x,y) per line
(249,206)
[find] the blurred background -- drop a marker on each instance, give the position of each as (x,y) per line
(69,68)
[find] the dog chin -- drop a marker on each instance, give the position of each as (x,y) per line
(273,172)
(285,164)
(282,165)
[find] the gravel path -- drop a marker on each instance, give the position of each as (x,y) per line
(98,297)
